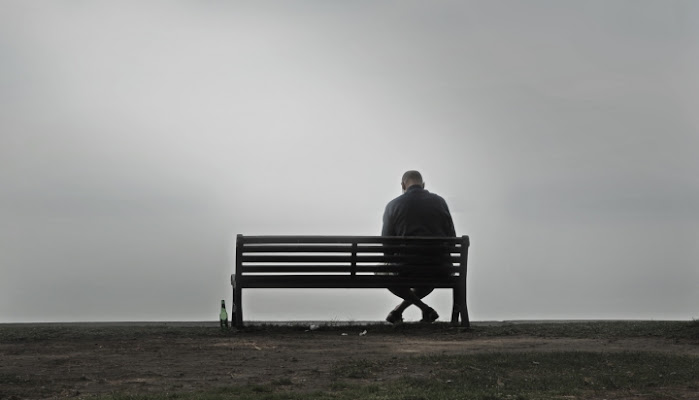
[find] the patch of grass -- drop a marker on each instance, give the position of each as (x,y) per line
(501,376)
(596,329)
(261,389)
(41,332)
(282,382)
(338,386)
(12,379)
(362,369)
(546,375)
(561,373)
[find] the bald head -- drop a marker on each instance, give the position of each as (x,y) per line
(411,178)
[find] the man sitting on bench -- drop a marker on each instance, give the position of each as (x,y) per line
(417,212)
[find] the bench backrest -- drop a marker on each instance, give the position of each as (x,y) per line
(347,255)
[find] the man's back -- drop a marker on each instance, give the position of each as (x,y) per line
(418,212)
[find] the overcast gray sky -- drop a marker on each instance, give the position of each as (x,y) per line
(136,141)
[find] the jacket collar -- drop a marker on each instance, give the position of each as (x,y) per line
(414,188)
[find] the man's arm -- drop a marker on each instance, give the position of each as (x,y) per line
(450,222)
(388,229)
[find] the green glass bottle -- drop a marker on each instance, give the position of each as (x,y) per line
(223,315)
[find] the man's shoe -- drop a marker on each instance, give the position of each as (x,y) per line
(430,316)
(394,318)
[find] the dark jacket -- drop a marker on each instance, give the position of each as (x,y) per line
(417,212)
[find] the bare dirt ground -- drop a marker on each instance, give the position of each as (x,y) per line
(65,367)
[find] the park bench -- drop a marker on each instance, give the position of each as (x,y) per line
(307,262)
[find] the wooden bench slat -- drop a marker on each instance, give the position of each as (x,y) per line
(284,269)
(311,248)
(287,239)
(335,282)
(296,248)
(348,269)
(441,247)
(295,258)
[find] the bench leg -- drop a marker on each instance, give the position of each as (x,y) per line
(465,322)
(238,307)
(460,309)
(455,309)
